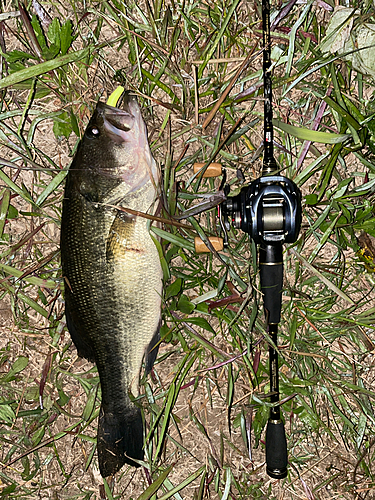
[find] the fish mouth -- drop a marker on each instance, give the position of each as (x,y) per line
(119,122)
(127,129)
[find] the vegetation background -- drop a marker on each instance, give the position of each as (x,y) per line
(205,403)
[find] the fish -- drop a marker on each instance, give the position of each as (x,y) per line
(111,270)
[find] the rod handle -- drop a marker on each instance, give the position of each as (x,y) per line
(271,280)
(201,247)
(276,450)
(213,169)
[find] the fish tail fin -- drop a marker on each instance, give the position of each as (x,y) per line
(120,438)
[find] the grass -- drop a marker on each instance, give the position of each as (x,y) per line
(205,403)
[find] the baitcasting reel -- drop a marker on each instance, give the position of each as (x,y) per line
(268,209)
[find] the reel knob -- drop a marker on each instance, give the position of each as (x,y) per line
(213,169)
(201,247)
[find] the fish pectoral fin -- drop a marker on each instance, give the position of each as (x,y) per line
(125,217)
(119,234)
(121,237)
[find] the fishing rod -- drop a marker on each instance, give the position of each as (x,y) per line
(269,210)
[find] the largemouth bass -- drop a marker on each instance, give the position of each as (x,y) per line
(112,271)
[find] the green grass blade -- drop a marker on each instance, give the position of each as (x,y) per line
(305,134)
(33,280)
(156,485)
(328,170)
(107,490)
(15,188)
(326,281)
(167,414)
(212,47)
(51,187)
(183,484)
(25,298)
(40,69)
(174,238)
(227,485)
(4,210)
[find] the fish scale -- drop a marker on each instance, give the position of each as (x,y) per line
(113,277)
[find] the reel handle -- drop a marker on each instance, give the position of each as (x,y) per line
(213,170)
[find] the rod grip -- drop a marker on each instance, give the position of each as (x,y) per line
(271,280)
(276,450)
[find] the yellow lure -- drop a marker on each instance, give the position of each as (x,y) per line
(115,96)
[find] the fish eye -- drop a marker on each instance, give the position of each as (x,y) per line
(92,132)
